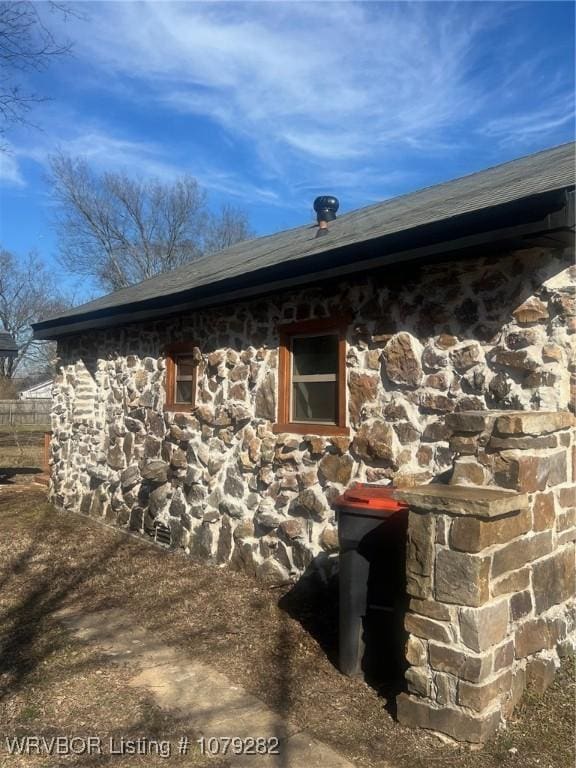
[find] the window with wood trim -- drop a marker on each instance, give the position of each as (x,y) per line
(181,377)
(312,378)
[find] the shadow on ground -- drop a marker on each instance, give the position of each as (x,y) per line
(313,602)
(18,475)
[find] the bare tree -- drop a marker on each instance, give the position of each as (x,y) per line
(26,44)
(28,292)
(229,227)
(120,230)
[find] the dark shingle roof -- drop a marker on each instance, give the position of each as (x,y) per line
(545,171)
(8,347)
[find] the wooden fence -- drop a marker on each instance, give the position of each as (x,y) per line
(21,413)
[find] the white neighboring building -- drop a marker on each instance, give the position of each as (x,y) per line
(42,391)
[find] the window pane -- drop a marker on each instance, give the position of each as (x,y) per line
(184,366)
(315,354)
(183,391)
(314,401)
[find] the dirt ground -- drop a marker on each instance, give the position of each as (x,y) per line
(278,643)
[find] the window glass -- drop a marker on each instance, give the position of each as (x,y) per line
(183,392)
(314,378)
(314,355)
(184,379)
(184,366)
(314,401)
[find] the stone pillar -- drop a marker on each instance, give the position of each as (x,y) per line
(490,573)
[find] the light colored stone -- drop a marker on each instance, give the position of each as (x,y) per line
(374,441)
(461,578)
(463,500)
(473,534)
(481,628)
(534,423)
(402,359)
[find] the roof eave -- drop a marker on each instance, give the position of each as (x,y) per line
(550,211)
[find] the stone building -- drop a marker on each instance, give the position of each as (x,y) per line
(222,407)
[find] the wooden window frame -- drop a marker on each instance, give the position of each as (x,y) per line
(310,327)
(172,352)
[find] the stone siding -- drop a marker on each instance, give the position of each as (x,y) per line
(491,573)
(424,342)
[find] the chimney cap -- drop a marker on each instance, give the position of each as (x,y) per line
(326,207)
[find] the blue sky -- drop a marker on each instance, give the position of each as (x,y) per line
(269,104)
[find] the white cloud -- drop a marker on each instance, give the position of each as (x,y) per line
(10,173)
(318,78)
(308,83)
(318,91)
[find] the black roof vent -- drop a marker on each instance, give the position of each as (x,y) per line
(326,207)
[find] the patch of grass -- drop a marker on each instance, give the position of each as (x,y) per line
(23,429)
(49,560)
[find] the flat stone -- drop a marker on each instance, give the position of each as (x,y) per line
(463,500)
(430,608)
(427,628)
(521,551)
(465,665)
(512,582)
(543,511)
(461,578)
(522,443)
(419,680)
(419,713)
(473,534)
(554,579)
(420,554)
(540,673)
(534,422)
(504,655)
(467,471)
(520,605)
(472,421)
(479,697)
(535,635)
(481,628)
(527,472)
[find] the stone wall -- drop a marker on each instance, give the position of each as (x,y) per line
(425,341)
(490,572)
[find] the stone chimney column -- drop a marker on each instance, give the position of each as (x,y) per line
(490,573)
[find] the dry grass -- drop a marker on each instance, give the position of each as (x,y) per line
(256,636)
(21,453)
